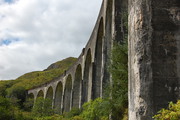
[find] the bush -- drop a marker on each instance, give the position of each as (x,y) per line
(77,118)
(28,104)
(10,112)
(119,87)
(172,113)
(17,95)
(54,117)
(6,110)
(72,113)
(42,107)
(95,110)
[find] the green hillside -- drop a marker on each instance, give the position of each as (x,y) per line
(36,78)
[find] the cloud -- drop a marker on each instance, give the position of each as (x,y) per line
(36,33)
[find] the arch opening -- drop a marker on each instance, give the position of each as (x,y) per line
(40,94)
(77,87)
(49,96)
(67,94)
(97,82)
(86,94)
(58,98)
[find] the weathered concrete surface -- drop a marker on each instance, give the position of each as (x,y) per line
(154,75)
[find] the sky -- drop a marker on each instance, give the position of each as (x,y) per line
(37,33)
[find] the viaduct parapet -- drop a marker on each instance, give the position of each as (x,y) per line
(154,58)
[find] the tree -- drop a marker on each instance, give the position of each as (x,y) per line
(5,109)
(119,86)
(42,107)
(172,113)
(17,95)
(96,110)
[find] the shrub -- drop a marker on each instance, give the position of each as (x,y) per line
(42,107)
(6,110)
(119,86)
(72,113)
(28,104)
(172,113)
(53,117)
(95,110)
(17,95)
(77,118)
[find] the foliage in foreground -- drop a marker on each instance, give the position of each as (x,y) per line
(172,113)
(95,110)
(42,107)
(119,87)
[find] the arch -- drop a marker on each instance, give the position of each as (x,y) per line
(77,87)
(58,97)
(40,94)
(97,82)
(67,94)
(87,77)
(49,95)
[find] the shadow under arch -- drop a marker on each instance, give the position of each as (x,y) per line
(97,82)
(67,94)
(58,97)
(87,78)
(77,87)
(40,94)
(49,95)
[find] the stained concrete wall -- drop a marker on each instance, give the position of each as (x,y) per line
(154,35)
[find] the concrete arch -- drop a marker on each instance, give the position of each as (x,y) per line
(77,87)
(58,97)
(87,79)
(68,94)
(49,95)
(97,82)
(40,94)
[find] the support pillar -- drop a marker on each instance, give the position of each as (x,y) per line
(154,52)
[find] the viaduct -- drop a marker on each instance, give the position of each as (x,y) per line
(154,58)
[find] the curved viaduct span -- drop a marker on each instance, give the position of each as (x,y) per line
(86,79)
(153,63)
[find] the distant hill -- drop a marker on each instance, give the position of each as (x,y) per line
(37,78)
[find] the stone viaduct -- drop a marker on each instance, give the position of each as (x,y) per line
(154,58)
(86,78)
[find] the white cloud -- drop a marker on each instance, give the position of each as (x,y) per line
(43,32)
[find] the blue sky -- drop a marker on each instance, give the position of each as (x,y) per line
(9,1)
(36,33)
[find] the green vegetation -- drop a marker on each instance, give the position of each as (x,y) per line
(5,109)
(4,85)
(114,104)
(42,107)
(37,78)
(95,110)
(119,87)
(172,113)
(13,102)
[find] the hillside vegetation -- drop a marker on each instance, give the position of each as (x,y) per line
(36,78)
